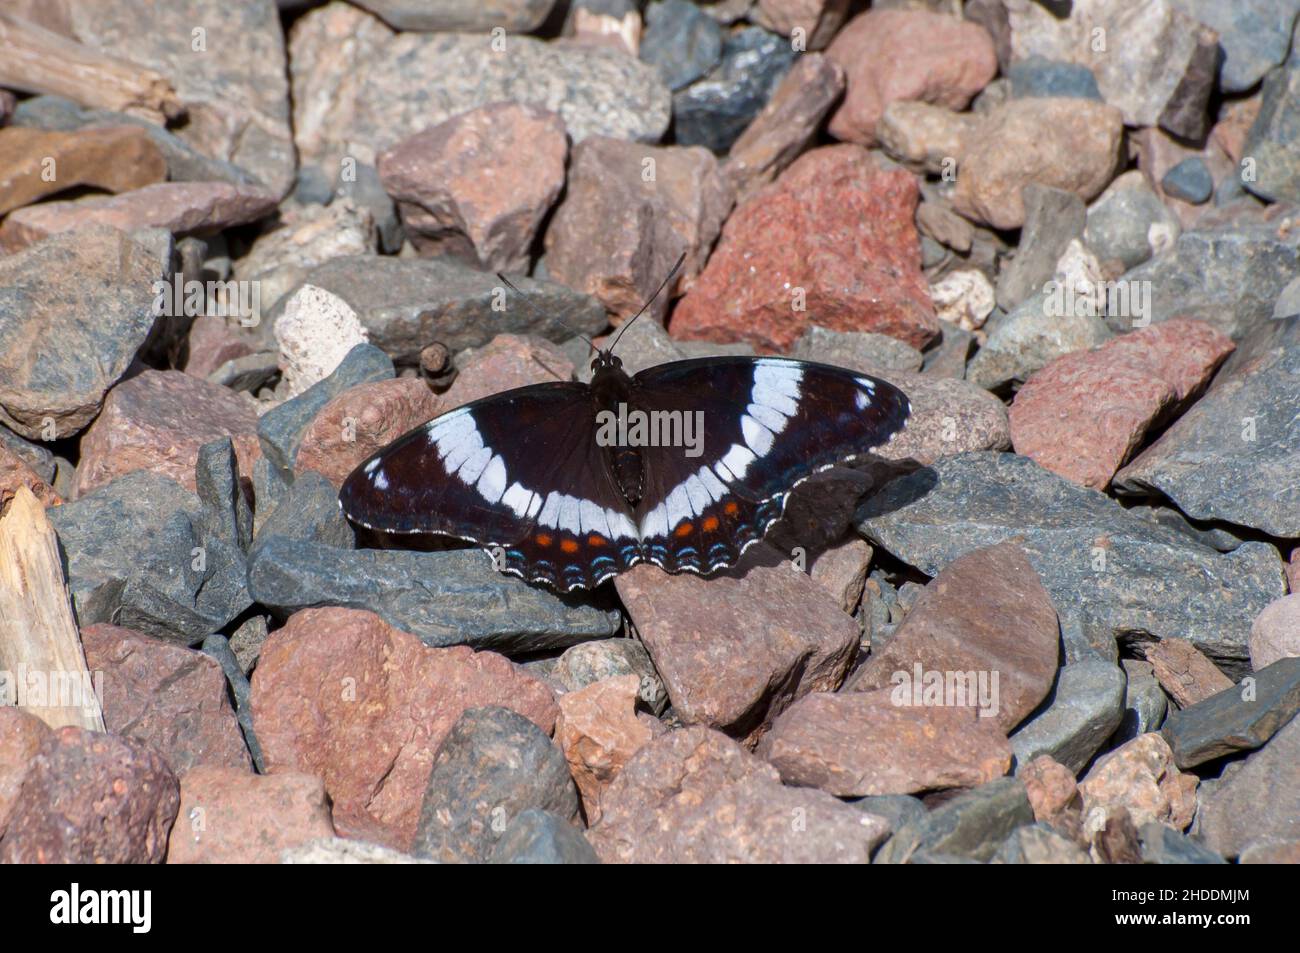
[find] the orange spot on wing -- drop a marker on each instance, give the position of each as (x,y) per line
(710,524)
(595,540)
(543,539)
(731,509)
(685,529)
(569,545)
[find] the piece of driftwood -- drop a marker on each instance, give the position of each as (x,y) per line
(36,60)
(41,660)
(1184,672)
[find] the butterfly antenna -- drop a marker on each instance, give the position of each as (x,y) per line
(541,317)
(662,285)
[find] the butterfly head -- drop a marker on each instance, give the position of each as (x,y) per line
(605,360)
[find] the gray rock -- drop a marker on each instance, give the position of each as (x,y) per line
(947,358)
(1207,534)
(1255,801)
(1120,222)
(39,459)
(281,429)
(1272,141)
(897,809)
(1234,455)
(1254,35)
(360,185)
(680,41)
(1161,844)
(1028,339)
(1241,718)
(1111,575)
(225,507)
(856,350)
(217,647)
(1228,277)
(270,486)
(249,373)
(140,555)
(971,826)
(1190,180)
(338,850)
(1039,76)
(1288,302)
(493,765)
(1145,702)
(714,111)
(446,598)
(309,511)
(1053,219)
(246,641)
(405,303)
(1084,709)
(457,16)
(539,837)
(1039,844)
(591,662)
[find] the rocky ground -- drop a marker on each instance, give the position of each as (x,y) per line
(1070,239)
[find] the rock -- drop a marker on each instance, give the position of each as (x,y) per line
(714,111)
(1164,845)
(39,163)
(405,303)
(1226,458)
(360,421)
(91,798)
(891,55)
(842,571)
(947,359)
(924,136)
(479,185)
(504,363)
(1258,802)
(1111,575)
(42,320)
(1164,76)
(14,472)
(246,642)
(157,421)
(1140,777)
(833,238)
(1083,414)
(492,765)
(315,332)
(875,742)
(231,816)
(856,350)
(695,796)
(680,41)
(342,694)
(1276,852)
(598,731)
(337,850)
(590,662)
(1037,76)
(1068,144)
(811,22)
(948,417)
(1275,633)
(217,647)
(1270,144)
(1145,702)
(450,597)
(141,553)
(1240,718)
(1083,710)
(1050,787)
(785,126)
(1184,672)
(897,809)
(516,16)
(1039,844)
(972,825)
(1053,219)
(734,650)
(539,837)
(171,698)
(1254,36)
(40,461)
(21,736)
(937,221)
(182,208)
(628,213)
(1189,181)
(1128,223)
(360,98)
(226,509)
(964,298)
(212,343)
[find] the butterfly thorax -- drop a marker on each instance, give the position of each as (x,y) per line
(611,387)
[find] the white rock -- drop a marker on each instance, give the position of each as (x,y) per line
(965,298)
(315,333)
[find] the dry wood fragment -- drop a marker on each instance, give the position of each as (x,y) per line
(1184,672)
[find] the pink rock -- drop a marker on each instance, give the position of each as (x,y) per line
(157,421)
(1275,633)
(14,472)
(832,238)
(478,185)
(506,362)
(21,736)
(172,698)
(232,816)
(815,20)
(734,650)
(1083,415)
(114,159)
(860,743)
(890,55)
(341,694)
(1051,787)
(1140,777)
(842,571)
(1293,571)
(1184,672)
(598,730)
(212,342)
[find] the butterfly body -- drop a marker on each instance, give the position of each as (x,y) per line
(684,465)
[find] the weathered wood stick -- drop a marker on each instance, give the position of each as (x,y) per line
(41,660)
(36,60)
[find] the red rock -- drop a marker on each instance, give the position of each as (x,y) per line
(861,743)
(1070,144)
(232,816)
(734,650)
(1275,633)
(1293,571)
(210,343)
(506,362)
(478,185)
(35,163)
(598,730)
(842,571)
(786,125)
(629,211)
(1235,119)
(892,55)
(157,421)
(695,796)
(1082,415)
(341,694)
(91,798)
(360,421)
(169,697)
(986,614)
(183,208)
(1184,672)
(1051,787)
(816,20)
(14,472)
(21,736)
(1272,852)
(1140,777)
(834,224)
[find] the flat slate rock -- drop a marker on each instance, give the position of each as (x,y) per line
(445,598)
(1161,844)
(1258,802)
(1241,718)
(1083,711)
(1234,456)
(1112,576)
(971,826)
